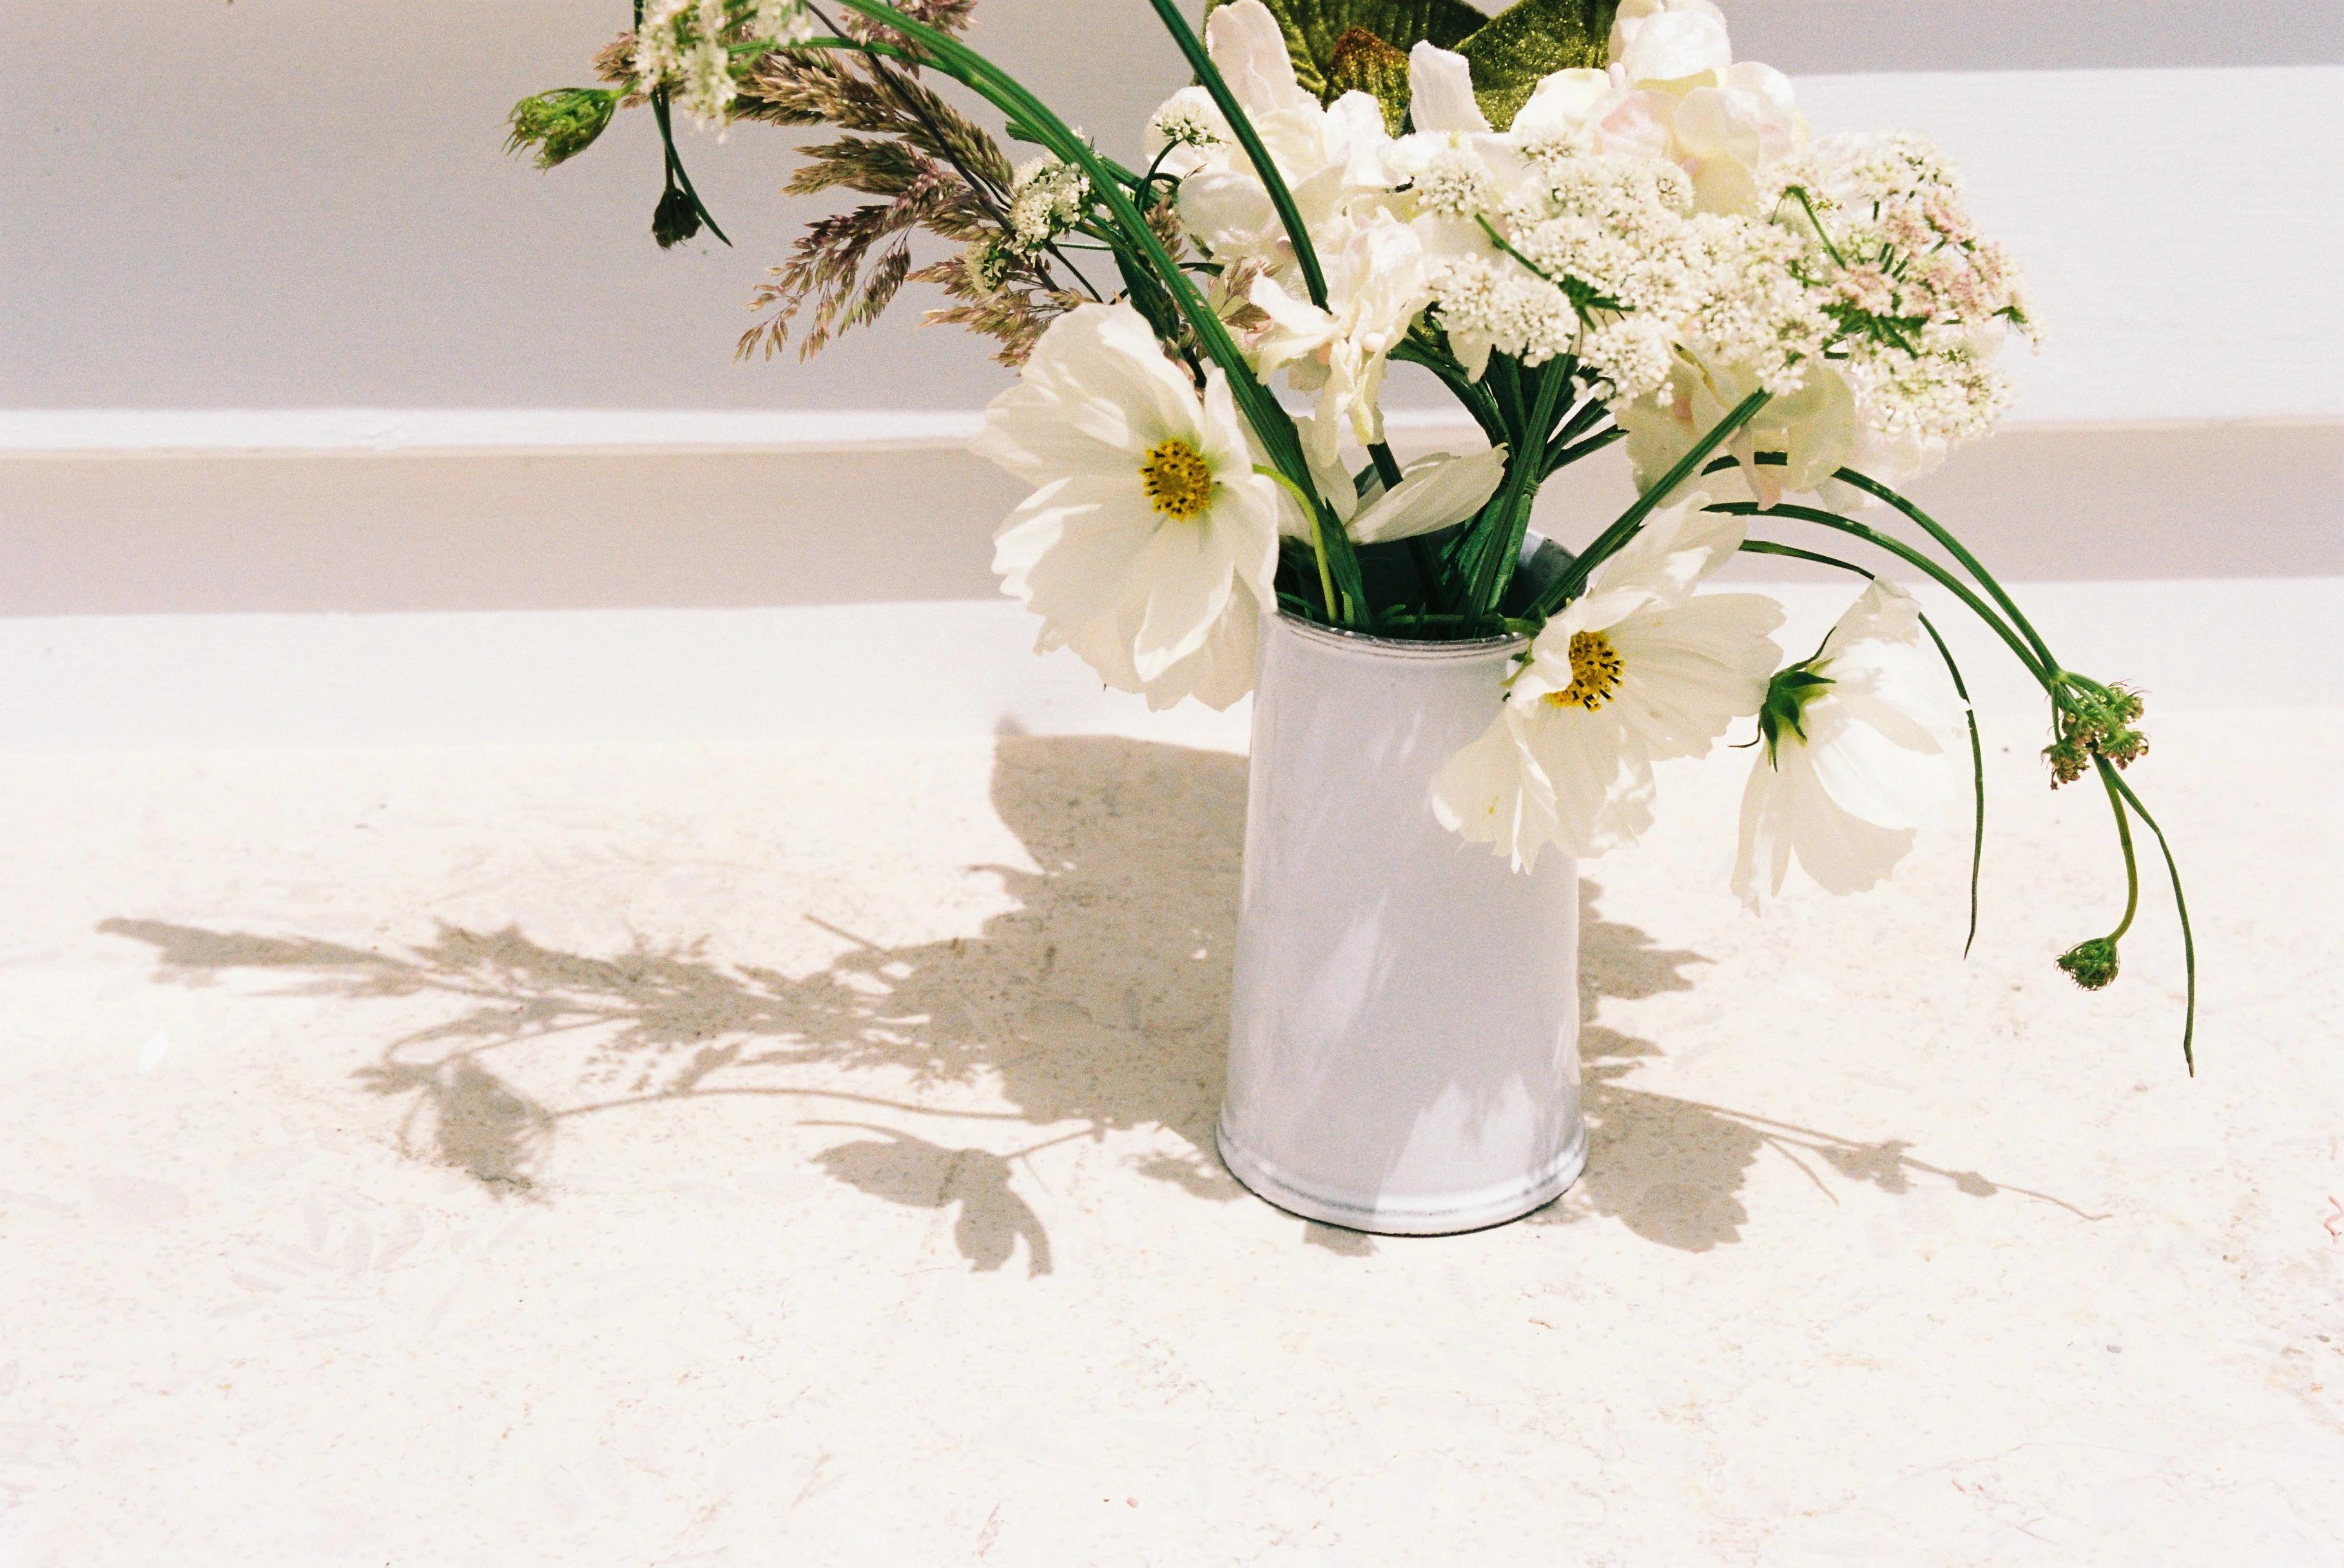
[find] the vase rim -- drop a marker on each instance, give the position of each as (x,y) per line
(1369,645)
(1540,555)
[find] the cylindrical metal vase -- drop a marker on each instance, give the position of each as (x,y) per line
(1404,1050)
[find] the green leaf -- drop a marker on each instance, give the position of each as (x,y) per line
(1314,28)
(1535,39)
(1364,62)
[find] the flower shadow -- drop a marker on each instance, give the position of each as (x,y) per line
(1098,1003)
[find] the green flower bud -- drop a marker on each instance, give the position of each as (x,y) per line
(676,219)
(561,124)
(1787,696)
(2091,965)
(2067,759)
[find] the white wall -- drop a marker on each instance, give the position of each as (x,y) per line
(284,203)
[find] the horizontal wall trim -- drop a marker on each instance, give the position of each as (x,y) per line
(376,432)
(956,668)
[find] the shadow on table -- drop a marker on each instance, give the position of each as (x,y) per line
(1099,1003)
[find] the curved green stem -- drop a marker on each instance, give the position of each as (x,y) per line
(1960,552)
(2180,907)
(1906,552)
(2124,837)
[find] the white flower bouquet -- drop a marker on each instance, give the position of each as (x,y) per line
(1588,222)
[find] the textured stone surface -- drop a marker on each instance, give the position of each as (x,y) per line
(681,1157)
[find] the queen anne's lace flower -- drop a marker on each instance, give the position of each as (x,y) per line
(782,21)
(1048,197)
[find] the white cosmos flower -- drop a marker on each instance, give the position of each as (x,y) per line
(1150,547)
(1846,777)
(1637,670)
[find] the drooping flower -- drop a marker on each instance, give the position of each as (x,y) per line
(1637,670)
(1853,754)
(1150,547)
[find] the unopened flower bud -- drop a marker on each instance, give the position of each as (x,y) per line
(561,124)
(2123,747)
(2091,965)
(2067,759)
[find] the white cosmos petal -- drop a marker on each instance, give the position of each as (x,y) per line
(1440,93)
(1188,573)
(1432,494)
(1676,548)
(1159,602)
(1074,550)
(1492,793)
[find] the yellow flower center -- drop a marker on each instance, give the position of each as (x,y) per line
(1176,481)
(1594,672)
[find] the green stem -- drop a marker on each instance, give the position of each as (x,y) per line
(1270,421)
(1952,584)
(1954,547)
(2180,907)
(1509,520)
(2124,837)
(1574,577)
(1317,536)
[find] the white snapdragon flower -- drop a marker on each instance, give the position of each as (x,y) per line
(1854,754)
(1637,670)
(1377,284)
(1328,156)
(1678,94)
(1151,546)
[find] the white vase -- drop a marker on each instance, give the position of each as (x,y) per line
(1404,1048)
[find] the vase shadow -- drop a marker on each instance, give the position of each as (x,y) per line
(1098,1003)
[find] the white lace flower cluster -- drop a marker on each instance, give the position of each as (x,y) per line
(680,45)
(1046,198)
(1924,303)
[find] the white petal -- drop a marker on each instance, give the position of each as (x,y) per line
(1493,793)
(1248,48)
(1675,45)
(1441,92)
(1432,495)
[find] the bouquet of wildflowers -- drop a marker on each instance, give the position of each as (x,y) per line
(1592,224)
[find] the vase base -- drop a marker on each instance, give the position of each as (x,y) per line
(1378,1215)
